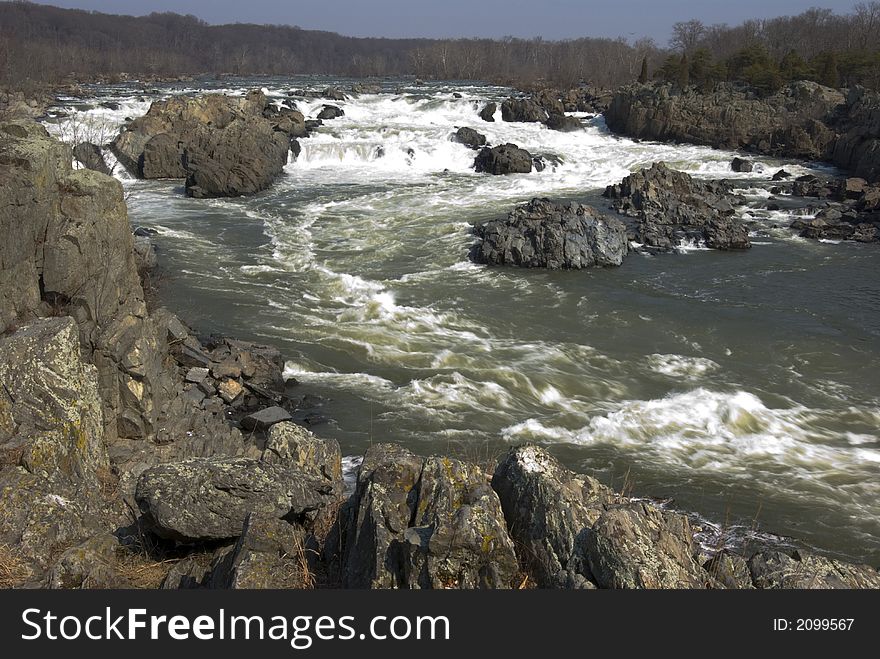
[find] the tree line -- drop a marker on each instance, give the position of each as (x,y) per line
(40,44)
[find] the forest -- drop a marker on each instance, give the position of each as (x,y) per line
(41,44)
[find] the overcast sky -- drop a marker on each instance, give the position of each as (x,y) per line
(551,19)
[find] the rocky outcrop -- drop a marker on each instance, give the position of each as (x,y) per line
(89,156)
(469,137)
(849,209)
(425,523)
(488,112)
(669,208)
(804,570)
(210,498)
(563,123)
(857,148)
(223,146)
(544,234)
(523,109)
(789,123)
(503,159)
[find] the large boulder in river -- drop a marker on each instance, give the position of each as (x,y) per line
(223,145)
(503,159)
(488,112)
(330,112)
(544,234)
(563,123)
(669,208)
(524,110)
(469,137)
(425,523)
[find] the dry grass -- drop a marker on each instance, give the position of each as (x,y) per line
(299,570)
(141,571)
(13,569)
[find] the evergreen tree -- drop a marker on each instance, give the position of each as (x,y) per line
(643,76)
(684,73)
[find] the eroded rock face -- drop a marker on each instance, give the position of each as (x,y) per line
(775,569)
(544,234)
(425,523)
(549,510)
(669,208)
(789,123)
(223,146)
(638,546)
(857,148)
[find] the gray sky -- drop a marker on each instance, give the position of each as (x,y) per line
(551,19)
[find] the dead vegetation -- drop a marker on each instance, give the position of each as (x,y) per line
(13,569)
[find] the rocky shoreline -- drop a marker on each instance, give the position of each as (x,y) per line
(132,453)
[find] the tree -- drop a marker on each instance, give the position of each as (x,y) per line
(684,72)
(794,67)
(686,35)
(643,75)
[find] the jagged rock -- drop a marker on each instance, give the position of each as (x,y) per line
(230,390)
(857,148)
(431,523)
(729,570)
(523,109)
(196,375)
(270,553)
(333,93)
(781,175)
(89,156)
(503,159)
(550,101)
(488,112)
(145,254)
(563,123)
(196,570)
(670,208)
(544,234)
(290,443)
(209,499)
(775,569)
(638,546)
(549,510)
(469,137)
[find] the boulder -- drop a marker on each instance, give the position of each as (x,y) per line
(469,137)
(425,523)
(289,443)
(330,112)
(333,93)
(488,112)
(544,234)
(89,156)
(265,418)
(549,510)
(523,110)
(563,123)
(209,499)
(90,565)
(635,545)
(741,165)
(669,208)
(503,159)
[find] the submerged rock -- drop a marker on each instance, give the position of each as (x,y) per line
(469,137)
(503,159)
(544,234)
(669,208)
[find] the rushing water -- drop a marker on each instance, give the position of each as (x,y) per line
(744,385)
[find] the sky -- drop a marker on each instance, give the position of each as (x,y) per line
(550,19)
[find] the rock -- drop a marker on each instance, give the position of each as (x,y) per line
(209,499)
(89,156)
(330,112)
(729,570)
(637,546)
(522,109)
(857,147)
(196,375)
(289,443)
(265,418)
(549,510)
(89,565)
(333,93)
(740,165)
(488,112)
(228,368)
(544,234)
(775,569)
(550,101)
(430,523)
(195,570)
(469,137)
(145,254)
(504,159)
(781,175)
(230,390)
(563,123)
(853,188)
(669,208)
(786,124)
(223,146)
(271,553)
